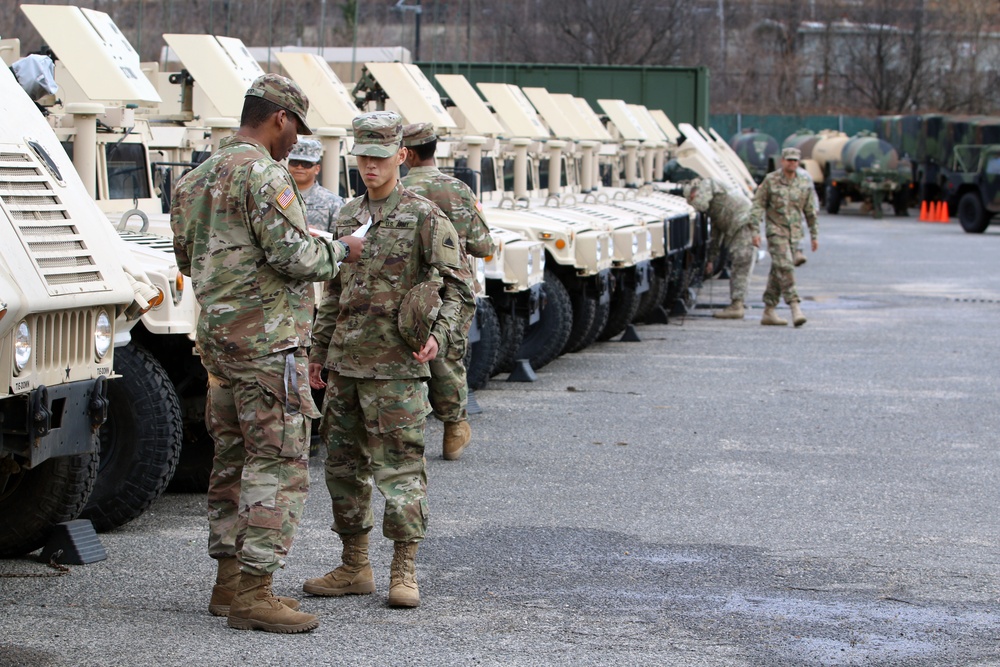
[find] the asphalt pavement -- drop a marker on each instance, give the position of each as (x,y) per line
(718,494)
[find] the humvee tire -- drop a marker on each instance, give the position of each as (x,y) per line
(512,328)
(140,443)
(651,298)
(545,339)
(972,215)
(481,357)
(35,500)
(624,306)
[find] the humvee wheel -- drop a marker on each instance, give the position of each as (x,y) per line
(624,306)
(140,443)
(512,328)
(481,357)
(651,298)
(833,199)
(34,501)
(972,214)
(545,339)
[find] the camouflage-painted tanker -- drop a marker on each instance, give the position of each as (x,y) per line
(759,152)
(862,168)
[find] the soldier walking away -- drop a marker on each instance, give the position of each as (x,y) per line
(449,392)
(732,226)
(240,233)
(783,198)
(322,205)
(400,306)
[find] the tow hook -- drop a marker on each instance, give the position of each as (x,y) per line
(98,403)
(41,415)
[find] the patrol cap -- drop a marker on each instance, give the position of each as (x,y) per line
(307,150)
(418,134)
(791,154)
(285,93)
(377,134)
(417,312)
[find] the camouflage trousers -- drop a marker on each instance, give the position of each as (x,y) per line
(374,435)
(448,390)
(258,413)
(781,279)
(741,250)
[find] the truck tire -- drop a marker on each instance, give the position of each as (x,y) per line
(899,203)
(140,443)
(545,339)
(624,306)
(512,327)
(972,214)
(597,324)
(36,500)
(833,199)
(481,356)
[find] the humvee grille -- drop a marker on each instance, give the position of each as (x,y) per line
(45,225)
(64,339)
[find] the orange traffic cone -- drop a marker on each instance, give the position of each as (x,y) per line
(936,212)
(944,217)
(923,211)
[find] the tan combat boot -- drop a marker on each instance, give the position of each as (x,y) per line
(255,608)
(798,319)
(226,582)
(800,258)
(456,438)
(733,311)
(403,591)
(771,317)
(353,577)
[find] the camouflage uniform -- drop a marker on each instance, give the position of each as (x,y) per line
(784,201)
(240,233)
(376,401)
(321,204)
(448,387)
(731,225)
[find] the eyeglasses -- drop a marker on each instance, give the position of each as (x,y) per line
(302,164)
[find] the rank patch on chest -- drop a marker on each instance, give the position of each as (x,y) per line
(286,197)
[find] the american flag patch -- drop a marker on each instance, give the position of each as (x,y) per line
(286,197)
(479,207)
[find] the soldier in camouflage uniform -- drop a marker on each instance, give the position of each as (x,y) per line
(783,198)
(376,396)
(731,225)
(322,205)
(448,389)
(240,233)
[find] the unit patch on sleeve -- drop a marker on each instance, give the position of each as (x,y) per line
(286,197)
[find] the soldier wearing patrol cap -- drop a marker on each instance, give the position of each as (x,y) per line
(731,225)
(380,323)
(322,205)
(240,233)
(449,392)
(783,198)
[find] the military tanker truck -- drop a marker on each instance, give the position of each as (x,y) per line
(68,290)
(758,150)
(862,168)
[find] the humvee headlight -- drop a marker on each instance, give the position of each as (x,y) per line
(635,244)
(611,247)
(22,346)
(102,335)
(531,263)
(649,240)
(541,262)
(480,271)
(599,250)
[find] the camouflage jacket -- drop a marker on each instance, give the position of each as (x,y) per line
(356,332)
(322,207)
(240,233)
(783,202)
(458,202)
(728,211)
